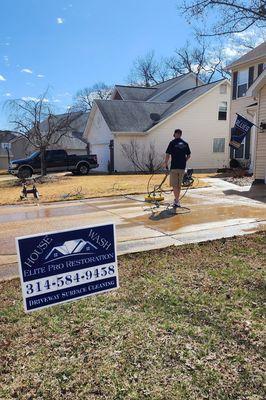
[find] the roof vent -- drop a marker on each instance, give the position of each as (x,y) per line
(155,118)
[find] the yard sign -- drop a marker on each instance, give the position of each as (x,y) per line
(57,267)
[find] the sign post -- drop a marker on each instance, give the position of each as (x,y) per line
(58,267)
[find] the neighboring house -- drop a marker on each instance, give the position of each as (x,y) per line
(73,141)
(149,115)
(5,147)
(248,98)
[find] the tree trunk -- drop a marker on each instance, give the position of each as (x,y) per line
(43,163)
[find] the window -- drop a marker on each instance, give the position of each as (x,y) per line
(223,89)
(218,145)
(222,111)
(242,82)
(261,67)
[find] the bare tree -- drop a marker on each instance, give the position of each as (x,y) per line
(148,71)
(234,15)
(143,159)
(34,120)
(203,60)
(83,99)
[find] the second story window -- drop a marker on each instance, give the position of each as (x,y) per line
(261,67)
(222,111)
(223,89)
(242,82)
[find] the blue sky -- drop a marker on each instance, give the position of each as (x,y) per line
(69,44)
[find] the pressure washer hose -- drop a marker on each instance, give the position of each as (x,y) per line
(159,187)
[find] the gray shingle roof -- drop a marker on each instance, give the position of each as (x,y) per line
(79,120)
(6,136)
(73,139)
(135,92)
(134,116)
(129,116)
(259,51)
(144,93)
(188,96)
(163,85)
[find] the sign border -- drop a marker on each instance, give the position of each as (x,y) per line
(61,231)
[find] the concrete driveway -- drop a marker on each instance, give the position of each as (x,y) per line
(221,210)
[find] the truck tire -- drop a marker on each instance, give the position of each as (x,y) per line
(24,173)
(83,169)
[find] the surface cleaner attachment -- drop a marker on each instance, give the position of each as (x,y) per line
(154,198)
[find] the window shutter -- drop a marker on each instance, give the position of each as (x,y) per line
(250,76)
(247,147)
(231,148)
(260,69)
(234,85)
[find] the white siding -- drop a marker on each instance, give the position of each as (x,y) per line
(260,166)
(200,125)
(99,135)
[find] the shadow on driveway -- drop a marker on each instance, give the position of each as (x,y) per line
(256,192)
(168,213)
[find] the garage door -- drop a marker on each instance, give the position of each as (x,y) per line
(103,155)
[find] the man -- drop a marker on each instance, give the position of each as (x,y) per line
(180,152)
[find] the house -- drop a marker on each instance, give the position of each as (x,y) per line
(5,147)
(73,141)
(248,98)
(71,247)
(148,116)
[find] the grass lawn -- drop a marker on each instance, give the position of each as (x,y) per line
(187,323)
(69,187)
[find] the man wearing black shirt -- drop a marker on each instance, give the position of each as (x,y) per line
(180,152)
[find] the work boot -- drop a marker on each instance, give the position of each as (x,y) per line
(176,203)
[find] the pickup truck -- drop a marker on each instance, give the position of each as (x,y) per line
(56,161)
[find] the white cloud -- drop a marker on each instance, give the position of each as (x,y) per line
(57,101)
(60,20)
(40,76)
(26,70)
(29,98)
(230,52)
(2,78)
(7,94)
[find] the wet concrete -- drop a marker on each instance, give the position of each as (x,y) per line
(171,220)
(209,213)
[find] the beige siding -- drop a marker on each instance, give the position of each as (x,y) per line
(260,166)
(3,162)
(200,125)
(240,106)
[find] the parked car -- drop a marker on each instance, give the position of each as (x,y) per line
(56,161)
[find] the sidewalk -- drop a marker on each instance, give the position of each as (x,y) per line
(222,210)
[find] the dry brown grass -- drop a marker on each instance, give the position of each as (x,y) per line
(68,187)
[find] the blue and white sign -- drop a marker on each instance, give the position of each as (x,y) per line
(57,267)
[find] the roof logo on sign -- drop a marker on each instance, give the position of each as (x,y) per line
(71,247)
